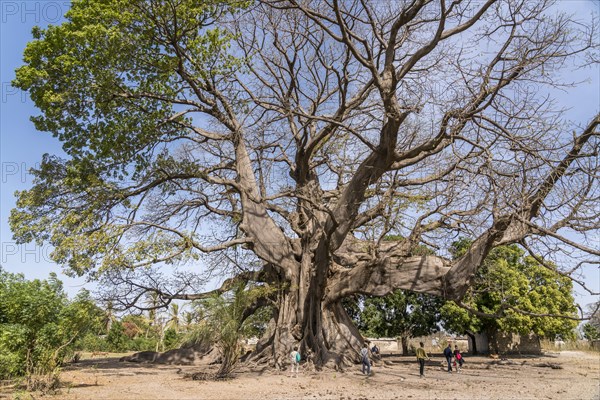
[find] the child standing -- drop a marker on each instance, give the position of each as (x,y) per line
(458,359)
(295,360)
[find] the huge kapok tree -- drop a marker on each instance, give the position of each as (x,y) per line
(295,136)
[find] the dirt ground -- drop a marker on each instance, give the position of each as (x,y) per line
(396,378)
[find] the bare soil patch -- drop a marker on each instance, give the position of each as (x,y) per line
(395,377)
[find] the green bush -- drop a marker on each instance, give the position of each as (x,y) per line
(171,339)
(40,326)
(591,332)
(93,342)
(117,340)
(143,343)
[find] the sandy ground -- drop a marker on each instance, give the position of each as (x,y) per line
(397,378)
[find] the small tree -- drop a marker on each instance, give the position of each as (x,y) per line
(513,293)
(134,325)
(227,320)
(39,327)
(117,339)
(590,332)
(174,320)
(402,313)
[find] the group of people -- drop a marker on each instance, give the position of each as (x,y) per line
(453,358)
(365,360)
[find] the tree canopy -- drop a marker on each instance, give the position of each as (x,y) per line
(512,292)
(280,142)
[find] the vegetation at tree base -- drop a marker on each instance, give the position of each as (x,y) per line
(508,291)
(138,333)
(226,322)
(40,327)
(280,142)
(400,314)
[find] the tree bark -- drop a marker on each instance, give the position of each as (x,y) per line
(471,336)
(404,340)
(324,334)
(323,331)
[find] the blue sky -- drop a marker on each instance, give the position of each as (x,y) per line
(21,147)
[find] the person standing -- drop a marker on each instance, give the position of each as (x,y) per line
(421,357)
(458,359)
(295,360)
(448,354)
(366,362)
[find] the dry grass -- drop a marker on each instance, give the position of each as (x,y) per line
(573,345)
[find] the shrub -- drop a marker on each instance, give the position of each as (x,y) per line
(117,340)
(39,327)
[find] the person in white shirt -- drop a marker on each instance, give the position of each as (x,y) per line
(295,360)
(366,362)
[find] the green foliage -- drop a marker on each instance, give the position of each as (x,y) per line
(142,343)
(590,332)
(401,313)
(132,333)
(171,339)
(225,322)
(39,326)
(116,338)
(256,324)
(109,85)
(92,342)
(509,281)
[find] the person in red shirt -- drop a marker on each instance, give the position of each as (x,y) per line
(458,359)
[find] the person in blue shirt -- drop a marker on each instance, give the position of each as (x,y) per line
(375,352)
(448,354)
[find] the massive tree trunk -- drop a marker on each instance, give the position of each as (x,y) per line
(323,331)
(308,306)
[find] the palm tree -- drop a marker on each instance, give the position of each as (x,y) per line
(173,320)
(109,316)
(188,319)
(152,303)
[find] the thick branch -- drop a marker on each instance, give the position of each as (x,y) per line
(420,274)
